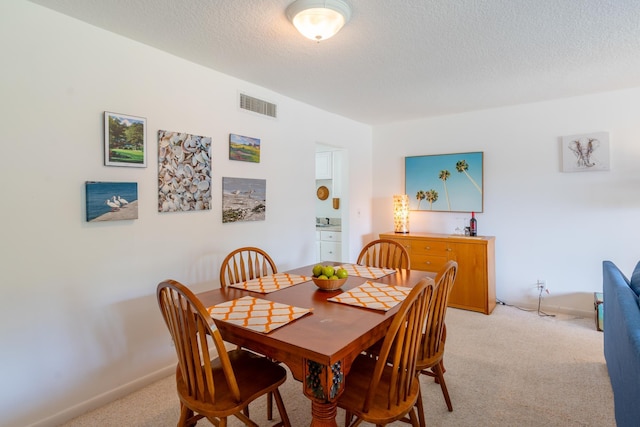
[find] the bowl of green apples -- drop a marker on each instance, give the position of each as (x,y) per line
(328,278)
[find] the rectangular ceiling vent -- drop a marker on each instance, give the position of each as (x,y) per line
(259,106)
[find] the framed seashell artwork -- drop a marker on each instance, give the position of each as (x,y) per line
(125,140)
(244,148)
(111,201)
(184,172)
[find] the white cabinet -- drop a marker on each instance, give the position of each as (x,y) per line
(330,246)
(324,167)
(318,257)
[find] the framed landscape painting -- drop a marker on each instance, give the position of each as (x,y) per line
(244,148)
(125,140)
(445,182)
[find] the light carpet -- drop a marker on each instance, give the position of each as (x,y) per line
(511,368)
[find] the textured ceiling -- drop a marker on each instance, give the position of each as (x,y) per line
(395,60)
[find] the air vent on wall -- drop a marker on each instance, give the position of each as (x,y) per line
(258,106)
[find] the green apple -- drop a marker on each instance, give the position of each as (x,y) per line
(334,277)
(328,270)
(342,273)
(317,270)
(322,276)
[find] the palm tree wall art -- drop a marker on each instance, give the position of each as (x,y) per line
(459,176)
(421,195)
(462,166)
(431,196)
(444,176)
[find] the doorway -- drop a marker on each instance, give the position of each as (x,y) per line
(332,209)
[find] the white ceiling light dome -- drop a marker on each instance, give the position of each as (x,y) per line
(318,19)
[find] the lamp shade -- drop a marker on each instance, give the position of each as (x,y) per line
(318,19)
(401,213)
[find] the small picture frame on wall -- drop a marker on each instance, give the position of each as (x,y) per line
(586,152)
(125,140)
(111,201)
(244,148)
(243,199)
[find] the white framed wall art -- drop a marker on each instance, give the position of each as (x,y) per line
(585,152)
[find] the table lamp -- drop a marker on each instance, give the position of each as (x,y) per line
(401,213)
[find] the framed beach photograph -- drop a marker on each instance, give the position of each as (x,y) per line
(125,140)
(243,199)
(445,182)
(585,153)
(244,148)
(111,201)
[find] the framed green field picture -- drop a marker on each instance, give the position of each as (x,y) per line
(125,140)
(445,182)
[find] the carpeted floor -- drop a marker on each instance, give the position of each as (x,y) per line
(512,368)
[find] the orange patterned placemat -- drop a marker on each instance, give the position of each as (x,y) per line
(366,271)
(377,296)
(257,314)
(271,283)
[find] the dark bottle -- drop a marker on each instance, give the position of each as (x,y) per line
(473,225)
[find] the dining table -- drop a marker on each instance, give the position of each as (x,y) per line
(320,346)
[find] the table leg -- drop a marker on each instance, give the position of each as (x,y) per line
(324,414)
(323,384)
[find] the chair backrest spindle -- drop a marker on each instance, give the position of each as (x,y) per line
(384,253)
(189,325)
(400,348)
(245,264)
(434,333)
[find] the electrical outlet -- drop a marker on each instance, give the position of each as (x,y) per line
(541,286)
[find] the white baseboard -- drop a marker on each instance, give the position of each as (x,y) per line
(104,398)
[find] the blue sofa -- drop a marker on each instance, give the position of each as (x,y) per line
(622,341)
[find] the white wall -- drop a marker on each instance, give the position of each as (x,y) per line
(78,315)
(548,224)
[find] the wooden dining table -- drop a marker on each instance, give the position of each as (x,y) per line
(319,347)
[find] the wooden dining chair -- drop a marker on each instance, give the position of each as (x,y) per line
(431,354)
(383,390)
(213,388)
(245,264)
(384,253)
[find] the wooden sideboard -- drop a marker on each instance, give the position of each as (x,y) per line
(475,285)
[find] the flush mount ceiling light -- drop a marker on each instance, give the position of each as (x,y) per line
(318,19)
